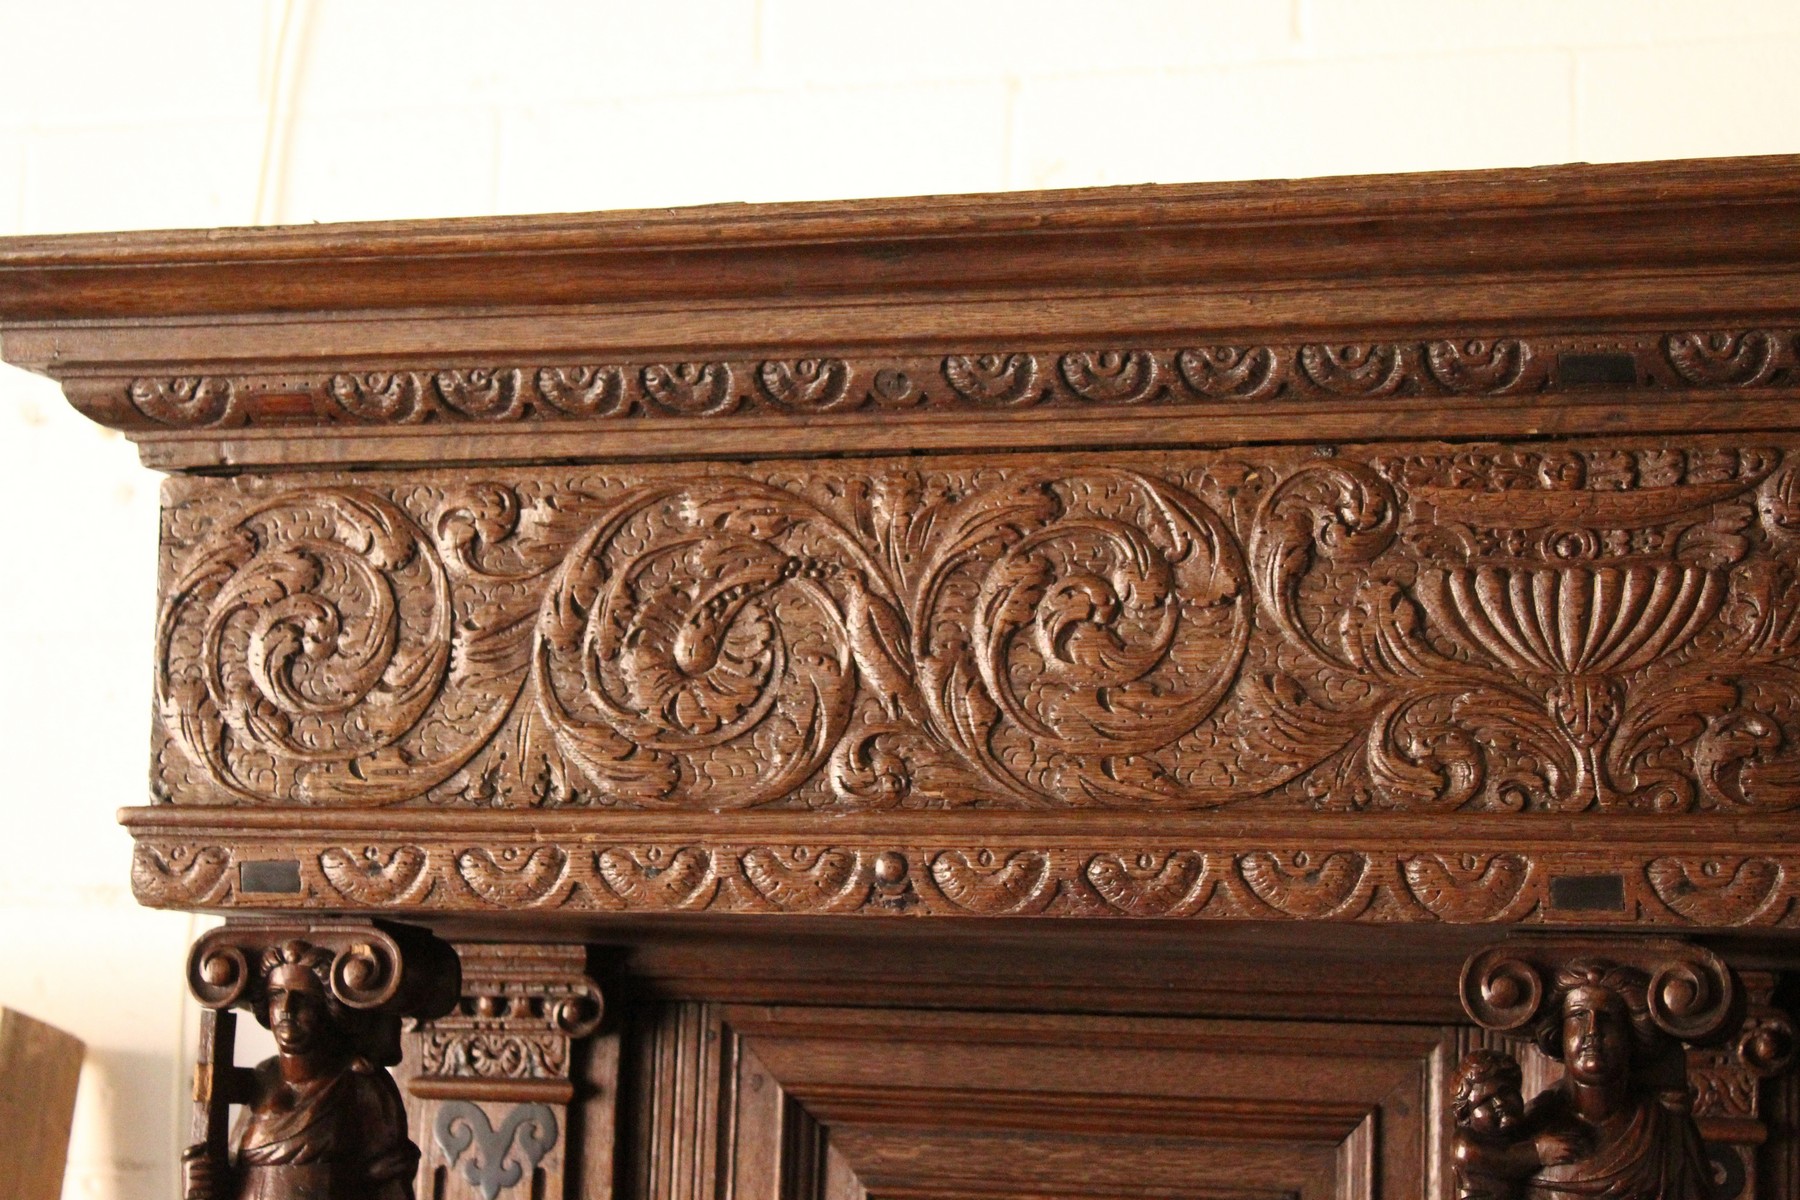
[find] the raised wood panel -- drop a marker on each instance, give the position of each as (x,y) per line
(786,1103)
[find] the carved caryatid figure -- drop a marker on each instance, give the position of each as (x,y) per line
(323,1119)
(1618,1125)
(1624,1088)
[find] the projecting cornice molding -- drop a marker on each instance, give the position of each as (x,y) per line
(1384,550)
(1472,304)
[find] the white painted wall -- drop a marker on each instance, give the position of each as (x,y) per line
(131,115)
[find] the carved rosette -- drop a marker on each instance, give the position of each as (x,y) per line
(492,1078)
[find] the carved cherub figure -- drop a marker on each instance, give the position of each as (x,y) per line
(1492,1153)
(323,1121)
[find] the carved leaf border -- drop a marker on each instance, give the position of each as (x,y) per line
(1367,882)
(1449,365)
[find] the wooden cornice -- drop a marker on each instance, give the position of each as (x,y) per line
(1387,550)
(1734,215)
(837,326)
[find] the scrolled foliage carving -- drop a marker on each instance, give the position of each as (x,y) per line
(1561,628)
(1232,878)
(1725,359)
(994,379)
(193,400)
(1112,376)
(808,385)
(690,389)
(305,651)
(583,391)
(1232,372)
(483,393)
(389,397)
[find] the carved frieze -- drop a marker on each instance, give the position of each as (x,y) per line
(1411,628)
(1451,365)
(1448,875)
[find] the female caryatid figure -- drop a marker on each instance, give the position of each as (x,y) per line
(324,1121)
(1623,1095)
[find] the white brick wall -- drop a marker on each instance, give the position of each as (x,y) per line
(134,115)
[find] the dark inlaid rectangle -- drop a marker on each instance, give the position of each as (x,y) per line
(275,875)
(1587,893)
(1616,369)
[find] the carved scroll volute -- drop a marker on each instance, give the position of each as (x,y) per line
(333,995)
(1690,994)
(495,1076)
(1620,1121)
(380,970)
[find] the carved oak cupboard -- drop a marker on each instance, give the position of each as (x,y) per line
(1284,689)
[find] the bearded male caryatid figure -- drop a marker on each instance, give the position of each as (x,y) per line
(323,1119)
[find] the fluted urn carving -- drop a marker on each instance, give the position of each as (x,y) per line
(1581,626)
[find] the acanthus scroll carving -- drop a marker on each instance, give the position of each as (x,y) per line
(1418,629)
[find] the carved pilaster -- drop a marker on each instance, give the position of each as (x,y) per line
(323,1118)
(1730,1082)
(494,1076)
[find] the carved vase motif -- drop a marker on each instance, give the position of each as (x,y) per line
(1415,629)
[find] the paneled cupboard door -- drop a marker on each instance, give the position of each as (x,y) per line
(788,1103)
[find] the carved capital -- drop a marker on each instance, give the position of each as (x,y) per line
(494,1080)
(387,970)
(510,1033)
(1689,994)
